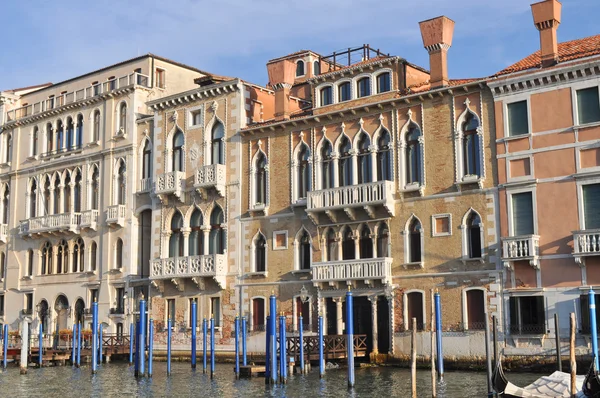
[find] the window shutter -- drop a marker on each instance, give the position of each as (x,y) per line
(522,213)
(591,206)
(585,313)
(588,105)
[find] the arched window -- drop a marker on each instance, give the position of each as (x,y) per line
(49,138)
(5,204)
(303,176)
(365,243)
(178,159)
(326,96)
(383,82)
(176,239)
(79,132)
(59,135)
(260,253)
(78,256)
(95,194)
(345,162)
(67,194)
(121,184)
(363,87)
(331,243)
(316,68)
(474,235)
(384,157)
(217,233)
(217,144)
(326,166)
(344,92)
(304,250)
(77,193)
(414,241)
(9,146)
(93,255)
(96,126)
(261,179)
(70,134)
(348,248)
(33,198)
(364,160)
(34,141)
(413,155)
(196,238)
(147,160)
(47,209)
(383,240)
(119,254)
(470,146)
(57,195)
(29,271)
(47,267)
(299,68)
(62,257)
(123,118)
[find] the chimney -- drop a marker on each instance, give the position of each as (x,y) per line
(437,39)
(281,78)
(546,17)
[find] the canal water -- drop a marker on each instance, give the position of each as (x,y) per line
(116,380)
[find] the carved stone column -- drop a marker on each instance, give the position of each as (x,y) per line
(205,236)
(339,315)
(185,232)
(373,300)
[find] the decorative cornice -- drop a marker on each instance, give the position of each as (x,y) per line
(194,95)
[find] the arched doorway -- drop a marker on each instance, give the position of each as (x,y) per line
(61,306)
(79,311)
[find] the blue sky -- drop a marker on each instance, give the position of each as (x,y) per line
(55,40)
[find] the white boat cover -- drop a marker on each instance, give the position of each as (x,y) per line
(558,384)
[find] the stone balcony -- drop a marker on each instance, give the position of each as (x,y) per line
(170,183)
(586,243)
(195,268)
(51,224)
(89,219)
(211,176)
(366,270)
(524,247)
(368,197)
(145,185)
(3,233)
(115,215)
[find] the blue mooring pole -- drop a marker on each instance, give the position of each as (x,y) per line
(244,336)
(282,351)
(142,336)
(237,347)
(100,345)
(438,335)
(74,353)
(5,346)
(150,346)
(594,331)
(321,361)
(204,342)
(136,360)
(268,351)
(350,333)
(78,344)
(193,326)
(94,337)
(212,347)
(40,343)
(301,335)
(131,339)
(273,337)
(169,335)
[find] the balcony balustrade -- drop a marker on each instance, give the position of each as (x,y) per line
(586,243)
(89,219)
(115,215)
(368,196)
(211,176)
(145,185)
(524,247)
(54,223)
(3,233)
(170,183)
(364,269)
(210,265)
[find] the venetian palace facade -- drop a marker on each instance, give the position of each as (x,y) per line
(356,170)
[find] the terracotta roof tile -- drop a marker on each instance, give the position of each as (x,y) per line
(567,51)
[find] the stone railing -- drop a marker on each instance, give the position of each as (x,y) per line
(365,269)
(209,265)
(169,183)
(3,232)
(370,194)
(51,223)
(145,185)
(115,214)
(213,175)
(524,247)
(89,219)
(586,243)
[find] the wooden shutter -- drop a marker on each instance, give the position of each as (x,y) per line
(522,209)
(591,206)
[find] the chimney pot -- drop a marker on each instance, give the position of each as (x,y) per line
(546,17)
(437,38)
(281,78)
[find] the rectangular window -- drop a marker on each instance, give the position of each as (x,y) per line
(344,92)
(591,206)
(588,105)
(160,78)
(527,315)
(196,117)
(326,96)
(441,225)
(171,311)
(415,309)
(215,310)
(364,87)
(522,213)
(93,296)
(383,83)
(1,304)
(120,300)
(197,312)
(518,123)
(111,83)
(258,314)
(584,306)
(29,303)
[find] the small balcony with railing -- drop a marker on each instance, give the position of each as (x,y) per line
(145,185)
(369,197)
(171,183)
(3,233)
(115,215)
(177,269)
(51,224)
(365,270)
(211,176)
(82,95)
(521,248)
(586,243)
(89,219)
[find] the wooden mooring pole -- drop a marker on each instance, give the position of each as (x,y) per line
(572,356)
(433,375)
(557,338)
(413,358)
